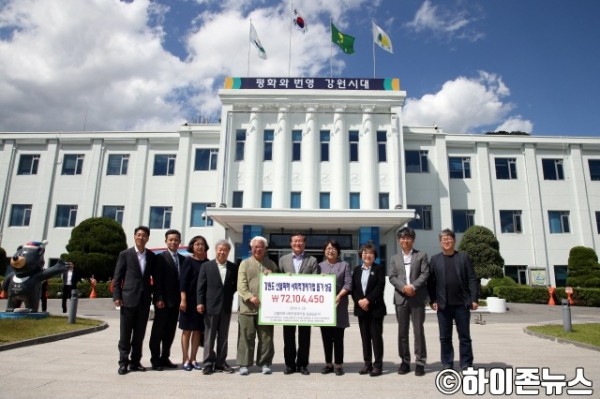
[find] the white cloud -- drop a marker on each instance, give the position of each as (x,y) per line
(515,124)
(445,22)
(464,105)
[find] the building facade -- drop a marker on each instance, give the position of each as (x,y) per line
(327,157)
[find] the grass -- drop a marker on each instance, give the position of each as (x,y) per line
(14,330)
(588,333)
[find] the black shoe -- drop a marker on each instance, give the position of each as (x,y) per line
(304,371)
(327,370)
(447,367)
(419,371)
(168,364)
(136,367)
(375,372)
(365,370)
(224,369)
(289,370)
(157,367)
(404,368)
(122,369)
(207,370)
(339,371)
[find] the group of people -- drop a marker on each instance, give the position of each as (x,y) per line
(198,294)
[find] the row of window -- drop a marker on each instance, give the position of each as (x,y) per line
(296,200)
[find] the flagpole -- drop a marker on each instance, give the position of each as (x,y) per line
(291,30)
(249,45)
(372,23)
(330,49)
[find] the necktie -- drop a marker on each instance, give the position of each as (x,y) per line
(176,262)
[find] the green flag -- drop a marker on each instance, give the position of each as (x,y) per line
(346,42)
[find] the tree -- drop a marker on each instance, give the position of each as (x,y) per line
(94,247)
(484,249)
(583,269)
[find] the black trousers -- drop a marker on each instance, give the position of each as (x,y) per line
(162,335)
(333,344)
(216,330)
(66,294)
(132,331)
(296,357)
(371,334)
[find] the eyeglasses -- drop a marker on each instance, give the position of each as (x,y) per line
(447,239)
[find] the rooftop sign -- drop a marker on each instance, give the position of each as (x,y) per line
(313,83)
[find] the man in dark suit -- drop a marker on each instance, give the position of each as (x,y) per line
(297,262)
(217,283)
(70,277)
(453,292)
(165,319)
(408,274)
(368,286)
(132,292)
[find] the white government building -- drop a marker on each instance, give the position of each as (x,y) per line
(330,158)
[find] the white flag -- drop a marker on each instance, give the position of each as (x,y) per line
(382,39)
(254,40)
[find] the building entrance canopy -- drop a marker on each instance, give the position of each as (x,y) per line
(304,219)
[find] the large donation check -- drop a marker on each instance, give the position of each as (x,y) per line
(297,299)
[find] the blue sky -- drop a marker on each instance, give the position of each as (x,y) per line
(468,66)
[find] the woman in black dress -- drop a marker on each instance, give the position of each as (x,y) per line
(190,321)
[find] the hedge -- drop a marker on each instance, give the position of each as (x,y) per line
(526,294)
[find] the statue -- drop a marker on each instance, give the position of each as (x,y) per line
(23,285)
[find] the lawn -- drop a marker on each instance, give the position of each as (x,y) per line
(588,333)
(14,330)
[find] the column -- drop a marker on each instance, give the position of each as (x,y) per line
(281,161)
(338,158)
(367,158)
(309,158)
(253,160)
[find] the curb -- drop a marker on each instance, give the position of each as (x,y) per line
(561,340)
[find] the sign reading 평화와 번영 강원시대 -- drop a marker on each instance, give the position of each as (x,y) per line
(392,84)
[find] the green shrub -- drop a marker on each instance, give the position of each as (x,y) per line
(583,268)
(484,249)
(526,294)
(500,282)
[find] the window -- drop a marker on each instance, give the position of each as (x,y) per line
(164,164)
(113,212)
(268,139)
(198,214)
(416,161)
(28,164)
(553,169)
(324,200)
(295,200)
(72,164)
(20,215)
(594,169)
(66,215)
(296,145)
(510,222)
(117,164)
(240,144)
(266,199)
(354,200)
(462,219)
(560,275)
(160,217)
(459,167)
(506,168)
(422,220)
(598,222)
(517,273)
(206,159)
(325,135)
(238,199)
(381,146)
(559,222)
(353,145)
(384,201)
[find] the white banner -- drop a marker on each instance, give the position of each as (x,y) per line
(297,299)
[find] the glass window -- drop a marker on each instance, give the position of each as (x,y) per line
(296,145)
(238,199)
(198,215)
(20,215)
(416,161)
(324,200)
(384,201)
(72,164)
(240,144)
(266,199)
(206,159)
(560,275)
(268,139)
(553,169)
(559,222)
(381,146)
(506,168)
(510,222)
(295,200)
(598,222)
(164,164)
(325,136)
(114,212)
(422,220)
(353,134)
(28,164)
(66,215)
(354,200)
(594,169)
(459,167)
(462,219)
(117,164)
(160,217)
